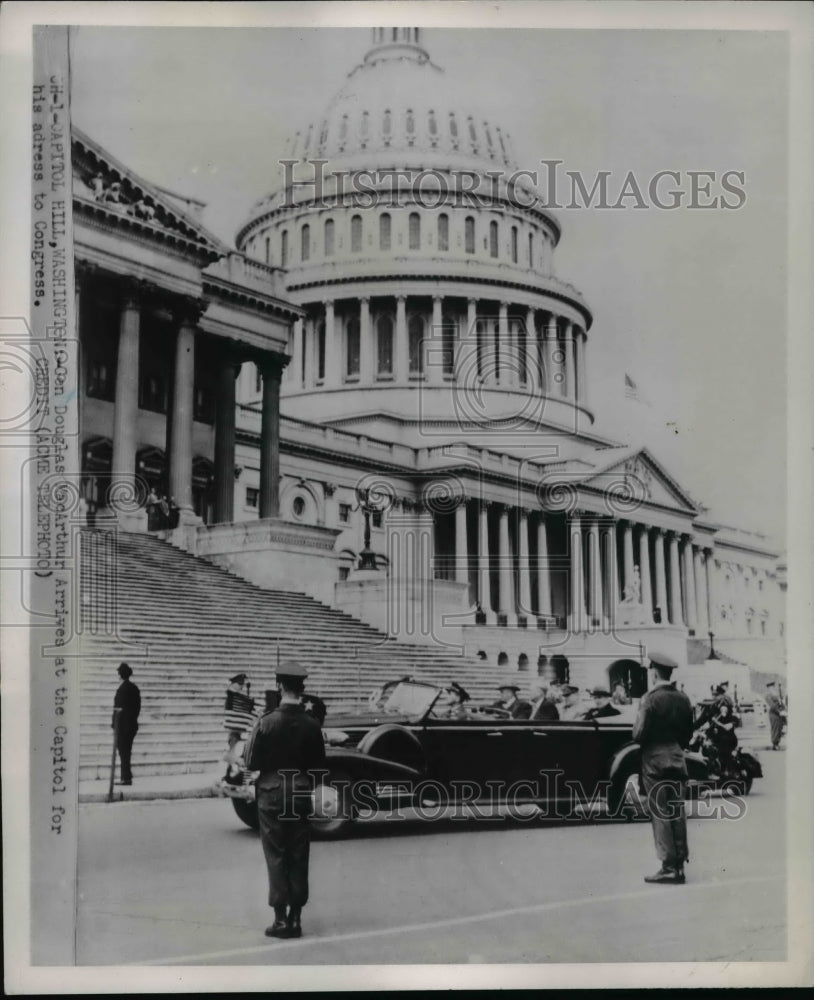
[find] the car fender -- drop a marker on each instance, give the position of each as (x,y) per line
(358,764)
(626,758)
(393,742)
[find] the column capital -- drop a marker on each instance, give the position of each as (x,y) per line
(364,300)
(328,303)
(187,310)
(132,292)
(437,298)
(271,365)
(401,299)
(472,302)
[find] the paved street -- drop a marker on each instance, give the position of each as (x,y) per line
(183,883)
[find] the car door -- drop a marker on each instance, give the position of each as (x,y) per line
(479,752)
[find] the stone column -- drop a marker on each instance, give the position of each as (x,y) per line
(709,572)
(533,380)
(552,384)
(367,352)
(295,365)
(675,583)
(182,415)
(595,572)
(127,383)
(700,592)
(505,574)
(524,589)
(543,570)
(689,584)
(577,617)
(612,573)
(401,348)
(506,373)
(225,442)
(627,541)
(644,571)
(333,360)
(433,348)
(270,439)
(661,577)
(568,362)
(484,569)
(461,550)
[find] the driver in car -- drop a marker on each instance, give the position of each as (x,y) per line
(452,703)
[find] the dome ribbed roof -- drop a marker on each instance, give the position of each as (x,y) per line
(398,101)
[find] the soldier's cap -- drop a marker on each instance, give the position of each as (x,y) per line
(600,692)
(291,668)
(769,684)
(237,679)
(462,693)
(663,660)
(508,686)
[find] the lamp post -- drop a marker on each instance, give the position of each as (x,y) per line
(371,500)
(712,654)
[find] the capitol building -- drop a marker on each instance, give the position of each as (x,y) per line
(387,354)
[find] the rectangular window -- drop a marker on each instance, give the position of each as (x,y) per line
(376,519)
(415,231)
(493,235)
(344,513)
(514,244)
(344,572)
(384,232)
(356,234)
(268,249)
(305,249)
(284,249)
(531,249)
(321,352)
(252,496)
(443,232)
(101,378)
(352,341)
(469,234)
(329,238)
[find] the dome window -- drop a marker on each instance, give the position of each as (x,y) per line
(384,345)
(493,239)
(268,249)
(284,248)
(384,231)
(387,125)
(305,242)
(514,244)
(307,141)
(453,126)
(343,128)
(364,128)
(416,345)
(433,124)
(410,123)
(502,144)
(469,234)
(415,231)
(473,135)
(321,351)
(488,132)
(356,234)
(323,136)
(443,231)
(298,506)
(352,344)
(329,237)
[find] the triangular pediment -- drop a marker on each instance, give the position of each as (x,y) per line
(643,477)
(100,180)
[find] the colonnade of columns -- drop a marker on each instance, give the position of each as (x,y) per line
(662,574)
(511,346)
(135,299)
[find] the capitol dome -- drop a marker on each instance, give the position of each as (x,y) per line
(426,269)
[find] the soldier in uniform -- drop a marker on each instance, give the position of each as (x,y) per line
(286,747)
(663,728)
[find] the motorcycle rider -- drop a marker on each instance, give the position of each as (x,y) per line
(722,735)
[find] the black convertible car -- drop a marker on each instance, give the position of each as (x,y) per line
(427,747)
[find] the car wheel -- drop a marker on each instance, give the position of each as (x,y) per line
(333,809)
(625,800)
(247,812)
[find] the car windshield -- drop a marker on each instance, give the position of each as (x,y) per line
(408,698)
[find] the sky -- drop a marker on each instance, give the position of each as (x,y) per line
(690,303)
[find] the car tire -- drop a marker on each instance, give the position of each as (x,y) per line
(333,808)
(247,813)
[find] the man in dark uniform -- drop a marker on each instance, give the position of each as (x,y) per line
(663,728)
(126,709)
(286,747)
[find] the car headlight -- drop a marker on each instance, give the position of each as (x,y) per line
(335,737)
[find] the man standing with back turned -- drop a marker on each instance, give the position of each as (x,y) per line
(663,728)
(286,747)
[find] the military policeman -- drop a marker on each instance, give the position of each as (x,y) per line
(663,728)
(287,748)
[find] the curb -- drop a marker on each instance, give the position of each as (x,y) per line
(120,795)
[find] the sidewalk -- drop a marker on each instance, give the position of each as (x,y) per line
(157,786)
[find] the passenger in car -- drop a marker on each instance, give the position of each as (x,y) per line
(544,699)
(509,702)
(602,708)
(570,708)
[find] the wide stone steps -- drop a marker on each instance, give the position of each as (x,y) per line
(185,625)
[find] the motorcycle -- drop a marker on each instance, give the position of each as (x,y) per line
(734,773)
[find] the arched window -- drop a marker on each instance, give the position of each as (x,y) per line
(522,662)
(329,237)
(502,659)
(531,249)
(514,244)
(352,347)
(493,239)
(469,234)
(356,234)
(415,231)
(305,242)
(443,232)
(416,347)
(384,345)
(384,231)
(284,249)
